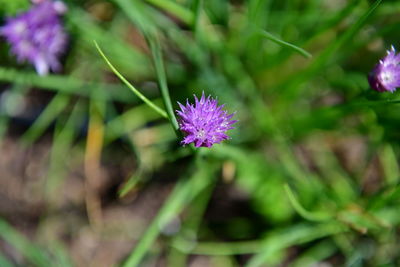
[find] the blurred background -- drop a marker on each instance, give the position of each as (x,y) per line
(91,176)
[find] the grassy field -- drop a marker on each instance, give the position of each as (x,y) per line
(92,172)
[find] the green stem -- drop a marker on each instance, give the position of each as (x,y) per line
(197,17)
(178,257)
(219,248)
(275,39)
(130,86)
(162,80)
(29,250)
(183,193)
(294,235)
(311,216)
(175,9)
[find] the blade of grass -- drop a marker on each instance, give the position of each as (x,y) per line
(64,84)
(32,253)
(330,50)
(48,115)
(129,121)
(162,80)
(190,226)
(184,191)
(264,248)
(61,256)
(130,184)
(175,9)
(340,182)
(315,254)
(338,17)
(389,164)
(130,86)
(4,122)
(258,12)
(126,55)
(198,7)
(63,140)
(311,216)
(278,41)
(291,85)
(154,43)
(384,199)
(4,262)
(138,13)
(119,123)
(294,235)
(218,248)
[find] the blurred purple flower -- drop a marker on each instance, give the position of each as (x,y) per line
(37,35)
(386,74)
(204,123)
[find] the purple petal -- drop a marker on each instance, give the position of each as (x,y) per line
(204,123)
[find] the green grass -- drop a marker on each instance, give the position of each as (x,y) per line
(314,156)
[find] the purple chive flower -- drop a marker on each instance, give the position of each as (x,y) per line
(37,35)
(204,123)
(386,74)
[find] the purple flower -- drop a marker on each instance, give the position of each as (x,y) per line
(204,123)
(37,35)
(386,74)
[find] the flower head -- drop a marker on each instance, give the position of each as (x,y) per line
(386,74)
(204,123)
(37,35)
